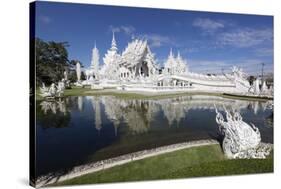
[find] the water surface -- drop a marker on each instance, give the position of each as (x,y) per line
(76,130)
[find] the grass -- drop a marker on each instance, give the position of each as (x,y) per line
(86,91)
(193,162)
(78,91)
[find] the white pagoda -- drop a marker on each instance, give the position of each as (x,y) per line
(95,61)
(111,62)
(92,73)
(175,65)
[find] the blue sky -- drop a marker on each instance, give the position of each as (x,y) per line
(208,41)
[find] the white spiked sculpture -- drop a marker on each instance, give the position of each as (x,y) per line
(257,86)
(78,72)
(264,88)
(53,90)
(241,140)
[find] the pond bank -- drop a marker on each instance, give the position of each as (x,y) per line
(120,160)
(206,160)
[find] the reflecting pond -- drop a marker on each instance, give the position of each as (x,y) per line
(77,130)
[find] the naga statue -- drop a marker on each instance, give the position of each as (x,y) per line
(241,140)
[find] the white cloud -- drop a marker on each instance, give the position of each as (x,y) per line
(208,25)
(250,66)
(45,19)
(129,30)
(245,37)
(156,40)
(264,52)
(190,50)
(204,66)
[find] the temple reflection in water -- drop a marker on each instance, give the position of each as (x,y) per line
(139,114)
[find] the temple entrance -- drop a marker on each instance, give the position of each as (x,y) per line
(144,69)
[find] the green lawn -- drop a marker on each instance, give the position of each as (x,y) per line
(78,91)
(198,161)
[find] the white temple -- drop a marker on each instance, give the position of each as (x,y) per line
(135,69)
(136,61)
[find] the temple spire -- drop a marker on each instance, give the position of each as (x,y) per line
(179,56)
(95,59)
(113,43)
(171,52)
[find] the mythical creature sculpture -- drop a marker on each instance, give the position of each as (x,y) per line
(53,90)
(241,140)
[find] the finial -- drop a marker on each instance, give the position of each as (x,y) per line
(113,43)
(113,35)
(171,52)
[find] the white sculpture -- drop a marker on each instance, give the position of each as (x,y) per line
(60,89)
(89,74)
(65,75)
(240,139)
(257,86)
(43,89)
(78,72)
(53,91)
(264,88)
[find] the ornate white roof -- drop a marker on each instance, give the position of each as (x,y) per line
(137,51)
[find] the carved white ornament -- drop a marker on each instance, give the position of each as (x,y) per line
(241,140)
(53,90)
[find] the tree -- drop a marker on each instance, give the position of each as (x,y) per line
(51,59)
